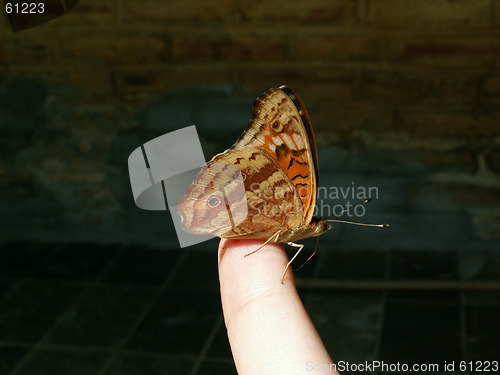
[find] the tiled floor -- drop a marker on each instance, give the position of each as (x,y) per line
(86,309)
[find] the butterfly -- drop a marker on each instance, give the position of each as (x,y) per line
(265,185)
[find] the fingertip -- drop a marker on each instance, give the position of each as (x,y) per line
(222,249)
(243,278)
(266,321)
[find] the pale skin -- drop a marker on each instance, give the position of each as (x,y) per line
(268,327)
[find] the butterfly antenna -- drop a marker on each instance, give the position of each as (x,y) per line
(356,205)
(361,224)
(354,223)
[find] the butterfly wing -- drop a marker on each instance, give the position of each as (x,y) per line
(281,127)
(277,159)
(265,202)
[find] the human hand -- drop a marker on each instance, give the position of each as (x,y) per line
(268,327)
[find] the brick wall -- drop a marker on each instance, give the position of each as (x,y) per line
(414,81)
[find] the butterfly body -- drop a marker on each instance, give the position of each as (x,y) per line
(276,161)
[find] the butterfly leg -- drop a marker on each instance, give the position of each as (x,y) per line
(273,238)
(307,261)
(300,246)
(310,256)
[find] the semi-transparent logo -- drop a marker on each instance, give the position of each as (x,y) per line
(205,200)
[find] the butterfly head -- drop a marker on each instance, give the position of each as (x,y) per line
(319,226)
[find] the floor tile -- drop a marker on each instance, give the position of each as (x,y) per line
(415,327)
(483,332)
(220,346)
(419,327)
(52,362)
(78,262)
(31,308)
(179,323)
(138,266)
(23,259)
(102,317)
(348,321)
(137,364)
(10,356)
(198,271)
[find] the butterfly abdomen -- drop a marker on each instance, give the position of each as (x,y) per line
(316,228)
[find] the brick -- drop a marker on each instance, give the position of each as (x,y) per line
(496,13)
(338,12)
(234,47)
(492,86)
(113,49)
(337,48)
(468,51)
(26,50)
(438,14)
(307,80)
(89,82)
(253,47)
(330,100)
(146,81)
(149,12)
(329,96)
(97,13)
(344,120)
(449,161)
(436,123)
(192,48)
(421,87)
(464,51)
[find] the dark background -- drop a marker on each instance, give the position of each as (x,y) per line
(403,96)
